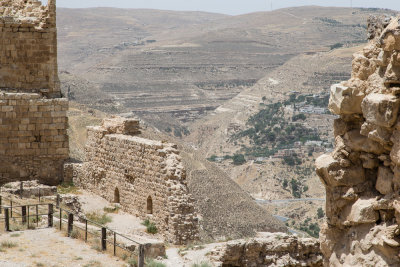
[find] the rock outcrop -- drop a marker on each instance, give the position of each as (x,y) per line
(273,249)
(362,174)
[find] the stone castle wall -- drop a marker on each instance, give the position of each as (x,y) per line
(33,121)
(146,177)
(28,47)
(33,137)
(362,174)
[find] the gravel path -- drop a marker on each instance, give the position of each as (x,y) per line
(11,264)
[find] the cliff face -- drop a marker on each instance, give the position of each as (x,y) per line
(362,174)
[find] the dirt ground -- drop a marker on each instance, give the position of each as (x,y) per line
(48,247)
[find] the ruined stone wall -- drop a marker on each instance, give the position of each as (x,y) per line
(274,249)
(33,121)
(28,47)
(135,171)
(362,174)
(33,137)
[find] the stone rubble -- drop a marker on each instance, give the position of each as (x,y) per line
(274,249)
(29,189)
(362,174)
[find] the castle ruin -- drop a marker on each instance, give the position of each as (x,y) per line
(33,120)
(145,177)
(362,174)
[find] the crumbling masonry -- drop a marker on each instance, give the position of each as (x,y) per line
(33,121)
(146,177)
(362,174)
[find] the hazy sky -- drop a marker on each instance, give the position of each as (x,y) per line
(232,7)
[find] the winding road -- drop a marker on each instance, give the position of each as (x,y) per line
(289,200)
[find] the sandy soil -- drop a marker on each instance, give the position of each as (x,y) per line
(32,249)
(122,222)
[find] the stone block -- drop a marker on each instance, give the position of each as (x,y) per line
(384,183)
(380,109)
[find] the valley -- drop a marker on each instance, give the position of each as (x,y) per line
(199,78)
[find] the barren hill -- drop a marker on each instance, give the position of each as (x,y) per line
(172,67)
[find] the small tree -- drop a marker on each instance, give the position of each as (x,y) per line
(320,213)
(213,158)
(285,183)
(238,159)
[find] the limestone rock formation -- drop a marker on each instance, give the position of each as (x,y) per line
(361,175)
(273,249)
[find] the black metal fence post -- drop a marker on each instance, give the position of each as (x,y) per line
(70,223)
(11,208)
(28,208)
(7,219)
(23,214)
(58,201)
(141,256)
(37,215)
(50,216)
(85,230)
(103,238)
(60,219)
(1,204)
(115,243)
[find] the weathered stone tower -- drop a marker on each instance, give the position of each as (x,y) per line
(33,121)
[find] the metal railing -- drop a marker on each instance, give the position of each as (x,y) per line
(75,226)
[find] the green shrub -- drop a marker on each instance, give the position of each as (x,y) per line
(320,213)
(112,209)
(202,264)
(93,264)
(97,218)
(152,229)
(285,183)
(96,246)
(337,45)
(212,158)
(75,234)
(153,263)
(238,159)
(67,188)
(146,222)
(132,262)
(299,117)
(8,244)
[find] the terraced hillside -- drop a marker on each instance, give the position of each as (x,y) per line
(200,78)
(174,67)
